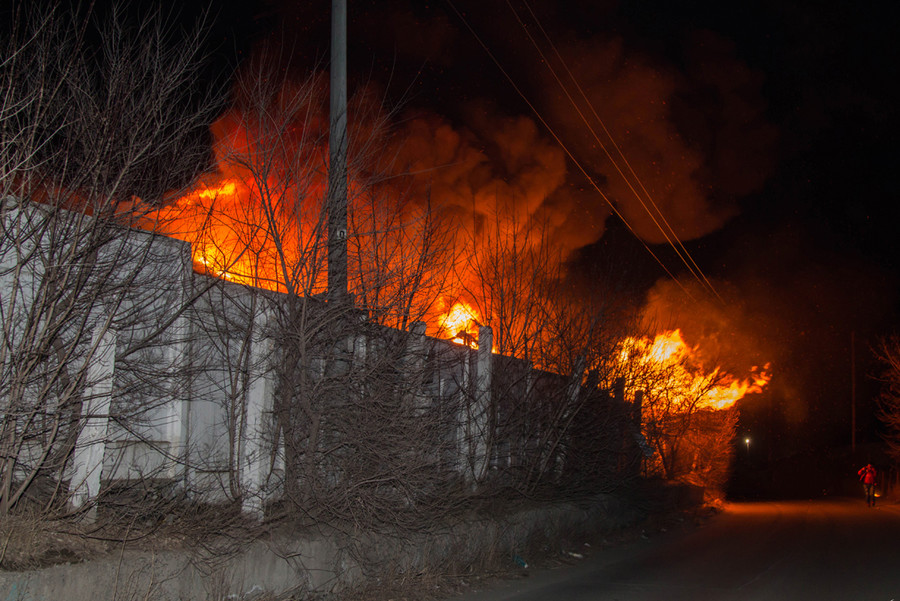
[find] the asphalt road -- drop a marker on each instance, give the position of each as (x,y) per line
(815,550)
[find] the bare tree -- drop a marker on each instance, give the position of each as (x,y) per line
(98,118)
(352,435)
(553,423)
(708,450)
(514,268)
(889,399)
(590,361)
(690,436)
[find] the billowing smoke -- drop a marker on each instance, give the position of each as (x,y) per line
(798,315)
(501,167)
(726,332)
(691,124)
(696,138)
(694,134)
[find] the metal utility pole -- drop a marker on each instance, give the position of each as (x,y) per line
(337,160)
(853,391)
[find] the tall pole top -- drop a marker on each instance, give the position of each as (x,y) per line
(337,160)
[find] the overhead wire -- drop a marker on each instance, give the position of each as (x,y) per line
(565,147)
(668,232)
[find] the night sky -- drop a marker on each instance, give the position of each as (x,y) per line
(764,133)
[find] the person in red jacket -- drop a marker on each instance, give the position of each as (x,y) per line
(867,476)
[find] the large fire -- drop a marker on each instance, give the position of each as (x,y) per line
(228,235)
(258,220)
(460,324)
(213,218)
(224,221)
(666,365)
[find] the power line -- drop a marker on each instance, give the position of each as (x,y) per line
(563,144)
(693,267)
(668,232)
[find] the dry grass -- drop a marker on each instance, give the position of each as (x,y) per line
(33,541)
(30,543)
(452,580)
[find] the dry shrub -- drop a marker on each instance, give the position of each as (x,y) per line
(31,542)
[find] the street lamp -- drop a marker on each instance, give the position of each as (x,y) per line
(747,442)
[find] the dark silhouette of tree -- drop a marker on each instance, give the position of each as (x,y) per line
(889,399)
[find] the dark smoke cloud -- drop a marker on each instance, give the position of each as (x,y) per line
(500,165)
(695,136)
(726,332)
(691,124)
(780,307)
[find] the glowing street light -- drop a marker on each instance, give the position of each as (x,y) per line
(747,442)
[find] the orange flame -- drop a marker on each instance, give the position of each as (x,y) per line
(666,365)
(227,217)
(668,347)
(226,188)
(731,390)
(460,323)
(221,243)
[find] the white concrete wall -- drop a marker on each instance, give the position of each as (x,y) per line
(203,417)
(111,300)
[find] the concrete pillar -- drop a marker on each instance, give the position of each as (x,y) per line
(464,411)
(417,348)
(637,408)
(642,448)
(257,434)
(573,397)
(90,446)
(619,391)
(360,349)
(177,419)
(415,365)
(526,432)
(574,390)
(480,434)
